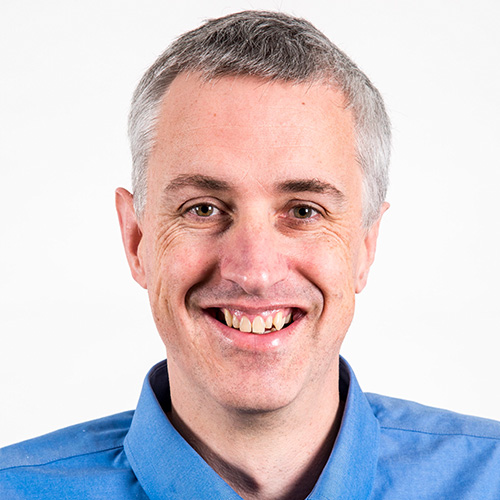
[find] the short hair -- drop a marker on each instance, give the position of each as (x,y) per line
(276,47)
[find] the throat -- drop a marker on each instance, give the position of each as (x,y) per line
(265,463)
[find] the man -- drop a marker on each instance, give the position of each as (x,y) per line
(260,170)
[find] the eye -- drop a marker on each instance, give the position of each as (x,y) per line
(303,212)
(205,210)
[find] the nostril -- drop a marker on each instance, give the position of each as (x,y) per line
(252,264)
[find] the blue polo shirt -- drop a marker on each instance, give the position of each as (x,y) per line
(386,449)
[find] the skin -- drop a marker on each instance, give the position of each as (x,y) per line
(277,225)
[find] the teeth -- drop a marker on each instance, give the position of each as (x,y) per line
(236,322)
(258,325)
(278,320)
(245,325)
(228,317)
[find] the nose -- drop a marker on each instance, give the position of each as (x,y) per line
(251,256)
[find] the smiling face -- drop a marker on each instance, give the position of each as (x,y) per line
(251,245)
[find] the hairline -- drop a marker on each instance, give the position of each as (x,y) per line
(327,64)
(206,77)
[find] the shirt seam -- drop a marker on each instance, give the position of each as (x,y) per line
(440,433)
(61,459)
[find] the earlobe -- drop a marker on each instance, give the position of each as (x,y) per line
(131,234)
(367,253)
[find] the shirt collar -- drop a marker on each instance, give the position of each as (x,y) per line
(350,470)
(165,463)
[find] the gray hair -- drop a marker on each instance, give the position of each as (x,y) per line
(273,46)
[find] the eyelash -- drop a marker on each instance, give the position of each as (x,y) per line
(206,205)
(307,207)
(315,212)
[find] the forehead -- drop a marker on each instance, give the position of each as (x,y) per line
(250,126)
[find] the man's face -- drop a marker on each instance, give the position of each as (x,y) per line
(253,214)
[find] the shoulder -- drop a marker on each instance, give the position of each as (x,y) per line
(88,438)
(408,416)
(427,452)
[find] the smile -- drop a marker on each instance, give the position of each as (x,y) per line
(261,324)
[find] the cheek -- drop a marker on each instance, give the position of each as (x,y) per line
(177,270)
(329,266)
(178,263)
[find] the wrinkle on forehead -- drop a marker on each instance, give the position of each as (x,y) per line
(239,128)
(223,102)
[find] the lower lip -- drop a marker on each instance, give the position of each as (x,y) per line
(253,342)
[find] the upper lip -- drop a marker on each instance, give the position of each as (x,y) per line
(253,309)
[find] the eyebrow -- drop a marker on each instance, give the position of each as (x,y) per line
(207,182)
(197,181)
(311,186)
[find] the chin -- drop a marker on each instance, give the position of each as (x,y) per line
(260,406)
(259,394)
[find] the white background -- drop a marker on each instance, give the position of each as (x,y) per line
(76,333)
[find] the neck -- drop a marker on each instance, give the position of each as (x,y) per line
(276,455)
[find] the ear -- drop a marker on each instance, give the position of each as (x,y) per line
(367,252)
(131,234)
